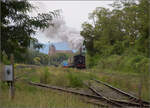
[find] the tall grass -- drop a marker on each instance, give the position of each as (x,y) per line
(64,77)
(44,76)
(28,96)
(128,72)
(32,97)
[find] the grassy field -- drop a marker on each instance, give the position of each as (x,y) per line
(29,96)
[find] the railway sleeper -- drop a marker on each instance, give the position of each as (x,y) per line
(137,100)
(117,102)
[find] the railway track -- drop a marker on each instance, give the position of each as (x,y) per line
(131,102)
(113,102)
(73,92)
(130,96)
(127,103)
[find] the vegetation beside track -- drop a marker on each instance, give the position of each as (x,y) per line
(27,96)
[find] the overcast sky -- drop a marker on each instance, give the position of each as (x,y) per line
(74,12)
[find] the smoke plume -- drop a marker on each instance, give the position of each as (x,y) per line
(62,33)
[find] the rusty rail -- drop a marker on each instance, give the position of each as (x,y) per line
(98,94)
(74,92)
(124,93)
(113,102)
(119,102)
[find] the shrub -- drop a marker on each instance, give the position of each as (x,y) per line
(37,60)
(44,77)
(75,80)
(124,63)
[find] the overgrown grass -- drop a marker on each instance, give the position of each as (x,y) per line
(31,97)
(65,77)
(28,96)
(128,72)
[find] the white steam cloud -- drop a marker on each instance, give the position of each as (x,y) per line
(62,33)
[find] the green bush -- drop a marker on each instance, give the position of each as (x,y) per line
(77,77)
(75,80)
(112,62)
(92,61)
(37,60)
(124,63)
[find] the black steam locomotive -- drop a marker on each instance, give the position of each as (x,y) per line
(77,61)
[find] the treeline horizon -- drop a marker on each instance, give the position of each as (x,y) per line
(118,34)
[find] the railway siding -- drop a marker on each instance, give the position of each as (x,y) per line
(113,102)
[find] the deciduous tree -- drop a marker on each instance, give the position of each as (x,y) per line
(17,26)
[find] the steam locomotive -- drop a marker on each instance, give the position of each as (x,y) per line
(77,61)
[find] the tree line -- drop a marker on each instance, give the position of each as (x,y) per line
(122,30)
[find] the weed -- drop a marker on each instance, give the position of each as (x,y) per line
(44,76)
(75,80)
